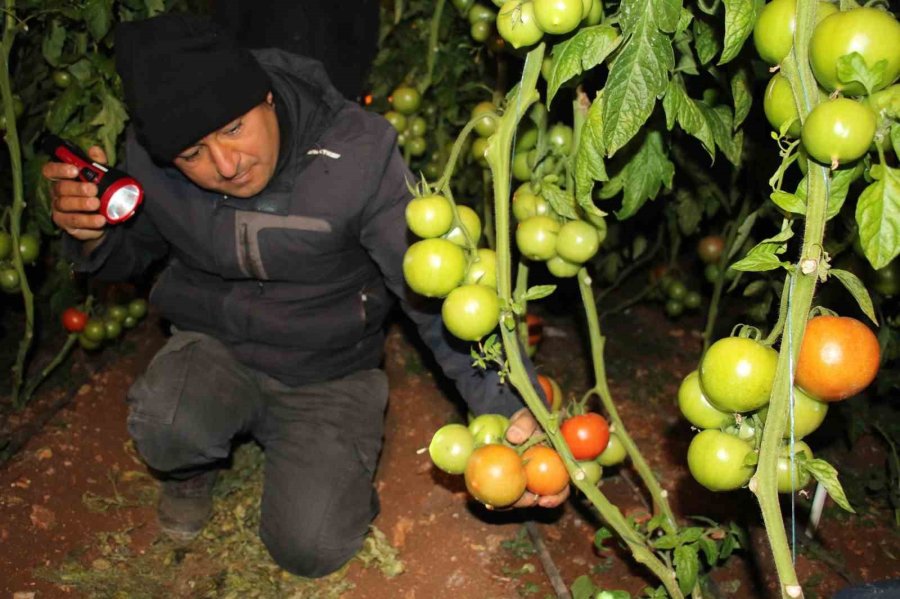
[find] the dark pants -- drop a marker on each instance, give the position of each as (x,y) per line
(321,443)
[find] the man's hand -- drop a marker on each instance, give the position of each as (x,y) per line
(522,426)
(75,203)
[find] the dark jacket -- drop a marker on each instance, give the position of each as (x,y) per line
(296,279)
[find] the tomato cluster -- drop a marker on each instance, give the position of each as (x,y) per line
(94,330)
(524,22)
(410,125)
(447,264)
(838,129)
(29,249)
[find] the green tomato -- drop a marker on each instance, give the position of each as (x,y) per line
(9,280)
(406,100)
(521,170)
(416,146)
(87,343)
(773,33)
(838,131)
(526,141)
(674,308)
(692,300)
(429,216)
(488,428)
(592,470)
(62,79)
(29,247)
(614,453)
(873,33)
(451,447)
(470,223)
(137,308)
(483,270)
(434,267)
(471,311)
(779,105)
(112,328)
(886,281)
(577,241)
(736,374)
(479,13)
(809,413)
(558,16)
(695,407)
(117,312)
(130,322)
(595,16)
(94,330)
(716,460)
(561,268)
(560,138)
(397,120)
(536,237)
(790,477)
(676,290)
(479,151)
(417,126)
(526,204)
(486,123)
(517,25)
(481,31)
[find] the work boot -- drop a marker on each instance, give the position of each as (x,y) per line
(185,506)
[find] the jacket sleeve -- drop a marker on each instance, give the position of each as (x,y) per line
(386,238)
(127,249)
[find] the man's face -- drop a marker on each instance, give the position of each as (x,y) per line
(238,159)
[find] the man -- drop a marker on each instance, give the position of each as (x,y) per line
(279,209)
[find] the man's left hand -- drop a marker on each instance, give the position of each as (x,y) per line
(522,426)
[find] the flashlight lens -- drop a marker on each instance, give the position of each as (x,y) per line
(122,202)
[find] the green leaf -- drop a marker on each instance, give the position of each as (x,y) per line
(878,218)
(721,122)
(755,288)
(64,106)
(538,292)
(687,566)
(583,588)
(789,202)
(601,535)
(581,52)
(97,16)
(155,7)
(53,42)
(895,138)
(562,202)
(681,108)
(853,68)
(765,255)
(825,473)
(689,213)
(744,231)
(740,16)
(705,41)
(841,180)
(640,73)
(111,121)
(666,542)
(684,21)
(645,174)
(710,550)
(589,165)
(743,97)
(857,290)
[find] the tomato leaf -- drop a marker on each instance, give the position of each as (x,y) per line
(687,566)
(601,535)
(53,42)
(581,52)
(857,290)
(788,201)
(689,213)
(640,73)
(684,110)
(764,256)
(705,41)
(740,16)
(641,179)
(583,587)
(826,474)
(155,7)
(743,98)
(562,202)
(111,120)
(97,16)
(853,68)
(589,166)
(841,180)
(64,106)
(895,138)
(878,218)
(538,292)
(709,549)
(722,123)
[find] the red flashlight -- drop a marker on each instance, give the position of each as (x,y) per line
(120,195)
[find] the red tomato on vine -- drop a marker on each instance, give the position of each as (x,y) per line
(587,435)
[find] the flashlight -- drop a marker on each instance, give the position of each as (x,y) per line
(120,195)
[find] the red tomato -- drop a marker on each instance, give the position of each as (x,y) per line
(587,435)
(545,472)
(838,358)
(74,320)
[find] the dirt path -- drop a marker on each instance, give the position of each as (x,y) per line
(76,516)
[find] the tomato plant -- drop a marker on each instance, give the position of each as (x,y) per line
(736,374)
(586,435)
(545,472)
(73,320)
(839,357)
(773,33)
(495,475)
(717,460)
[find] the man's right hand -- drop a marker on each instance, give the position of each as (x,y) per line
(75,203)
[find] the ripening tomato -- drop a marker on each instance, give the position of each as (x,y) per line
(736,374)
(406,100)
(695,407)
(587,435)
(614,453)
(535,326)
(429,216)
(545,472)
(73,320)
(779,106)
(838,131)
(472,225)
(517,25)
(716,460)
(553,395)
(558,16)
(483,270)
(773,34)
(838,358)
(790,478)
(710,248)
(873,33)
(495,475)
(471,311)
(451,447)
(536,237)
(434,267)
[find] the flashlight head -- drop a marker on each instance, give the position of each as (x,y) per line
(120,198)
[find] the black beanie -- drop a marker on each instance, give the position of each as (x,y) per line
(184,78)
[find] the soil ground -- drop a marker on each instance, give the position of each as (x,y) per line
(77,517)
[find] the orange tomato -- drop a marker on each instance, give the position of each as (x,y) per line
(838,358)
(545,471)
(495,475)
(552,393)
